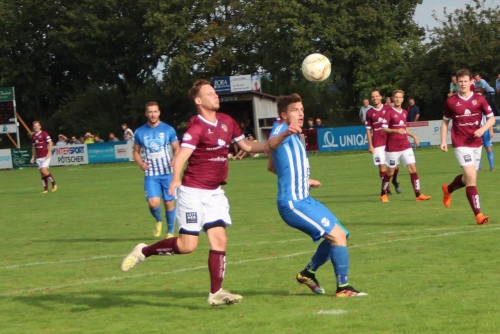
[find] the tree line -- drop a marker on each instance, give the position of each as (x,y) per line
(91,65)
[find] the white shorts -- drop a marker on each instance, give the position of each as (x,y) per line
(43,162)
(197,207)
(379,155)
(407,157)
(468,156)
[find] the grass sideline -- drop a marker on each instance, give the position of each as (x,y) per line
(427,269)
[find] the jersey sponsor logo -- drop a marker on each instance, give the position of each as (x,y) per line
(467,112)
(468,123)
(224,127)
(218,159)
(392,162)
(161,135)
(221,142)
(467,158)
(474,102)
(187,137)
(325,222)
(377,159)
(191,217)
(458,104)
(209,132)
(154,146)
(329,140)
(401,122)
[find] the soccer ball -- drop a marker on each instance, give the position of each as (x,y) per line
(316,67)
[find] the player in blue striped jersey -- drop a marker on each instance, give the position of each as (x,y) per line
(156,138)
(290,163)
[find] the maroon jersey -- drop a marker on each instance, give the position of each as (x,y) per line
(207,166)
(394,119)
(41,142)
(466,115)
(374,121)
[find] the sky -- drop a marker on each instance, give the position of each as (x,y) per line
(424,11)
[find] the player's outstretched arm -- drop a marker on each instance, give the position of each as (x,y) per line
(275,141)
(251,146)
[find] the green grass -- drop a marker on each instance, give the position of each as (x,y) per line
(427,269)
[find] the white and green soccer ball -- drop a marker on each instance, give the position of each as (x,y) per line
(316,67)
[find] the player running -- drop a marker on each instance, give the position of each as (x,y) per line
(202,204)
(377,138)
(466,110)
(156,138)
(290,163)
(42,149)
(399,147)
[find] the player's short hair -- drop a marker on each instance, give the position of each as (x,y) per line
(151,104)
(375,90)
(284,101)
(35,122)
(195,89)
(464,73)
(398,91)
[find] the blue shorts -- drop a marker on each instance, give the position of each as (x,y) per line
(310,217)
(157,186)
(487,139)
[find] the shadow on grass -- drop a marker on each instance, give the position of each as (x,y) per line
(104,299)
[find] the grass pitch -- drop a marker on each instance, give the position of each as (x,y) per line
(427,269)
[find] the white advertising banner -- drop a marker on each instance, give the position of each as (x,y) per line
(5,159)
(123,151)
(69,155)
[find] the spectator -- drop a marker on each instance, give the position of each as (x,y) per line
(488,93)
(319,124)
(413,111)
(245,129)
(112,137)
(241,153)
(128,134)
(453,86)
(97,139)
(74,140)
(89,138)
(362,111)
(81,140)
(310,123)
(388,101)
(63,140)
(497,83)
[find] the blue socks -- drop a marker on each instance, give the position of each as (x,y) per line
(156,213)
(491,159)
(340,259)
(320,257)
(170,221)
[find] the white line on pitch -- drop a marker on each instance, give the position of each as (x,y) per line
(15,266)
(102,280)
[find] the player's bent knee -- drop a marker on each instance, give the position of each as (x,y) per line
(187,242)
(154,202)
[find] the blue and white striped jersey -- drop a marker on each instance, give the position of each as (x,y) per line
(291,165)
(156,143)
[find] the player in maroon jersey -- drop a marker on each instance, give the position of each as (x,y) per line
(377,138)
(42,149)
(398,146)
(202,204)
(466,109)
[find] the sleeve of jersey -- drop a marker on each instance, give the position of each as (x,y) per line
(485,106)
(172,135)
(237,133)
(279,128)
(137,140)
(368,121)
(47,138)
(192,136)
(447,112)
(387,118)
